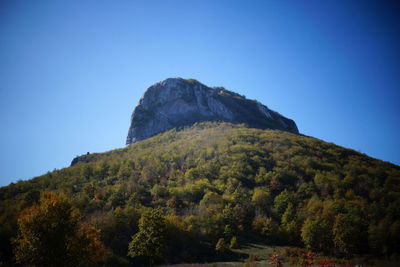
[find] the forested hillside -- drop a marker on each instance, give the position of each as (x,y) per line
(213,185)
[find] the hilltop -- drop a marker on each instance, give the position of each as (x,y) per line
(177,102)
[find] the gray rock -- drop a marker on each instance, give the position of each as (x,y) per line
(81,159)
(177,102)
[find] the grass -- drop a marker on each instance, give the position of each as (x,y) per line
(253,255)
(257,254)
(260,250)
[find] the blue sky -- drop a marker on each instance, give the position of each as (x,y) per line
(71,72)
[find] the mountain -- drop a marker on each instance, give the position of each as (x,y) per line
(177,102)
(216,182)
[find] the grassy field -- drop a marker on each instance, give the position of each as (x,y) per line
(254,255)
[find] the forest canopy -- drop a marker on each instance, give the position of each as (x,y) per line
(217,182)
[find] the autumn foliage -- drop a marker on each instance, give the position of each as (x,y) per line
(51,234)
(211,181)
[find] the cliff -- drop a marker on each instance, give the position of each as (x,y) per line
(177,102)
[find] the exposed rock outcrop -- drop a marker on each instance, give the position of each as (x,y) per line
(81,159)
(177,102)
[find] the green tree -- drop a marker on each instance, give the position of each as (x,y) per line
(150,241)
(316,234)
(125,169)
(101,169)
(347,236)
(52,234)
(86,171)
(268,228)
(261,198)
(281,201)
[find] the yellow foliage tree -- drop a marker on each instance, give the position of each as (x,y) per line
(51,234)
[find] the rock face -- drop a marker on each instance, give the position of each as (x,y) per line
(81,159)
(177,102)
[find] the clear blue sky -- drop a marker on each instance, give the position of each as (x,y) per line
(71,72)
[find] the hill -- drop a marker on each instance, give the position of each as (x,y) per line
(220,180)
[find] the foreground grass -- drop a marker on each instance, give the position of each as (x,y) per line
(256,254)
(252,254)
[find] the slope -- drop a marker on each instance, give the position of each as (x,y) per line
(221,180)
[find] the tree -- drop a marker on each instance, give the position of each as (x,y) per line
(282,201)
(150,241)
(51,234)
(347,234)
(268,228)
(261,198)
(316,234)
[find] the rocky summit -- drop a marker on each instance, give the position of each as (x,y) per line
(177,102)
